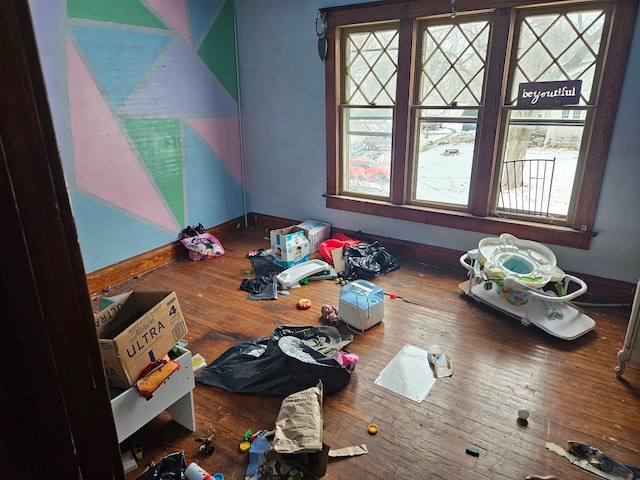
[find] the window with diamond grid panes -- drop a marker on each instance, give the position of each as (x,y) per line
(370,73)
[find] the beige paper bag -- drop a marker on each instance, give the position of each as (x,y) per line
(298,427)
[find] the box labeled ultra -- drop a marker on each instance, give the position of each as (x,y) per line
(289,246)
(361,304)
(135,330)
(316,232)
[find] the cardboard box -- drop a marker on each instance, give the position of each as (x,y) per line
(135,330)
(289,246)
(316,232)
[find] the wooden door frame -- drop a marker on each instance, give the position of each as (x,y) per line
(56,418)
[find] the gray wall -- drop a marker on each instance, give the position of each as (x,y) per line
(283,115)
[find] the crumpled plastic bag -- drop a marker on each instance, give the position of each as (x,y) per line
(171,467)
(368,260)
(339,240)
(291,359)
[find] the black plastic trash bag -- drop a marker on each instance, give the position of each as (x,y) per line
(171,467)
(290,360)
(265,285)
(368,260)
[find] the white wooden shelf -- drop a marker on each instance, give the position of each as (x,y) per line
(131,411)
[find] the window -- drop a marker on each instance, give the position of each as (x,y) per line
(426,120)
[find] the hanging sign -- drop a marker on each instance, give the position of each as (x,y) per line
(549,93)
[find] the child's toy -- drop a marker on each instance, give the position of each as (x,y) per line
(304,304)
(330,314)
(290,278)
(295,474)
(509,274)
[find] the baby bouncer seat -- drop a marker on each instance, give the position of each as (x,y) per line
(514,276)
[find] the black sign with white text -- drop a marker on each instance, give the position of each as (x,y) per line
(549,93)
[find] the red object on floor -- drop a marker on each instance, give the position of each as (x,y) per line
(339,240)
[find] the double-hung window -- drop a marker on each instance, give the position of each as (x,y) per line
(496,117)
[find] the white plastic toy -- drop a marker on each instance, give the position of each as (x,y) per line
(508,274)
(290,278)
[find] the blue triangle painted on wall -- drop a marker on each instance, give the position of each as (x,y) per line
(201,16)
(118,58)
(213,193)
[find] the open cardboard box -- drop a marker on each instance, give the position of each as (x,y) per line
(135,330)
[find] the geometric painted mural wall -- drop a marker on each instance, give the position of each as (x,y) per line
(144,99)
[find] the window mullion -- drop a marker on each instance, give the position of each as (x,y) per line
(402,116)
(601,128)
(332,93)
(490,124)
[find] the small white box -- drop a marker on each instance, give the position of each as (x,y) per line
(361,304)
(316,232)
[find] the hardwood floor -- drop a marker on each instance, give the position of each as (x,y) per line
(570,388)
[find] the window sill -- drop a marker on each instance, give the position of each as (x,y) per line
(552,234)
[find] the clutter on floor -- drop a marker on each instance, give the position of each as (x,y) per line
(291,277)
(440,361)
(593,460)
(408,374)
(368,260)
(134,328)
(264,286)
(291,359)
(361,305)
(289,246)
(300,363)
(200,244)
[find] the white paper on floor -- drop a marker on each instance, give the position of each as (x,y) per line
(408,374)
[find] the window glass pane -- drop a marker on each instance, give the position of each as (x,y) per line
(452,63)
(444,158)
(366,169)
(532,187)
(371,66)
(559,46)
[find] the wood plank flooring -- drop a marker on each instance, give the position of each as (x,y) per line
(570,388)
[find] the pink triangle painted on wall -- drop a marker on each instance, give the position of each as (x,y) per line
(222,135)
(174,12)
(105,165)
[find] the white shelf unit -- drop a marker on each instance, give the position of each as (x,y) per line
(131,412)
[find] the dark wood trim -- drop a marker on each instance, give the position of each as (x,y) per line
(620,35)
(56,417)
(402,118)
(145,262)
(555,235)
(332,61)
(387,10)
(491,116)
(601,290)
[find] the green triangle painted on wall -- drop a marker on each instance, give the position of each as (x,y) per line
(218,50)
(159,143)
(130,12)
